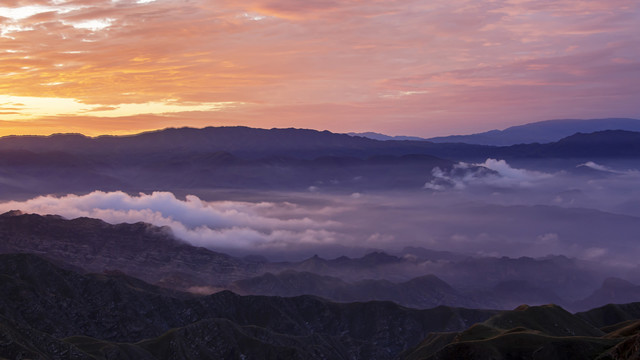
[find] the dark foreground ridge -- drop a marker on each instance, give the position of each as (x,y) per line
(542,131)
(48,312)
(540,332)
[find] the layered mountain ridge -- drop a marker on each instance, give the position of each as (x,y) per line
(42,298)
(84,288)
(534,332)
(51,313)
(239,157)
(154,255)
(541,131)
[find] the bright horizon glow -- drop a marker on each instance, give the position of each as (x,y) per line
(401,68)
(27,108)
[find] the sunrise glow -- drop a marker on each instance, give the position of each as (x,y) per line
(415,67)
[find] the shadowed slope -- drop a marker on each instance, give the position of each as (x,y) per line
(148,252)
(537,332)
(39,296)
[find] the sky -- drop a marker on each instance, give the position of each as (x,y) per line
(409,67)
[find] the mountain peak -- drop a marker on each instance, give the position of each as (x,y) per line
(13,213)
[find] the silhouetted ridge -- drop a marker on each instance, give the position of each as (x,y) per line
(542,131)
(37,296)
(240,157)
(307,144)
(601,144)
(527,332)
(239,140)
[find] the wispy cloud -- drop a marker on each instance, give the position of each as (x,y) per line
(606,169)
(464,65)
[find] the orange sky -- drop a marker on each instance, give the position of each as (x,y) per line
(412,67)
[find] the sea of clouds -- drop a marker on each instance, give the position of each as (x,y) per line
(485,209)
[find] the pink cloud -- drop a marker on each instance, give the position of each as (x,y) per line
(391,66)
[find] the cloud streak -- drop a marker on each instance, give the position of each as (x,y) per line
(606,169)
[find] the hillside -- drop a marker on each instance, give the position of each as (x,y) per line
(154,255)
(99,314)
(141,250)
(49,312)
(530,332)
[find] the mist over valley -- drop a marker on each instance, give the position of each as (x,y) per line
(289,213)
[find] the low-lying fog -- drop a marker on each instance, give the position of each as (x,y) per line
(590,212)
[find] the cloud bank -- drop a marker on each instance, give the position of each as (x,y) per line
(491,173)
(216,225)
(491,208)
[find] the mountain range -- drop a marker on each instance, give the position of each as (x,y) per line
(52,313)
(537,132)
(230,143)
(84,288)
(539,332)
(48,312)
(276,159)
(154,255)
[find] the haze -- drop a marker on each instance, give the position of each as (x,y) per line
(491,210)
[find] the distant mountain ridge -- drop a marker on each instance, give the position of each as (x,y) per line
(541,132)
(276,159)
(537,132)
(241,141)
(422,292)
(151,254)
(383,137)
(289,146)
